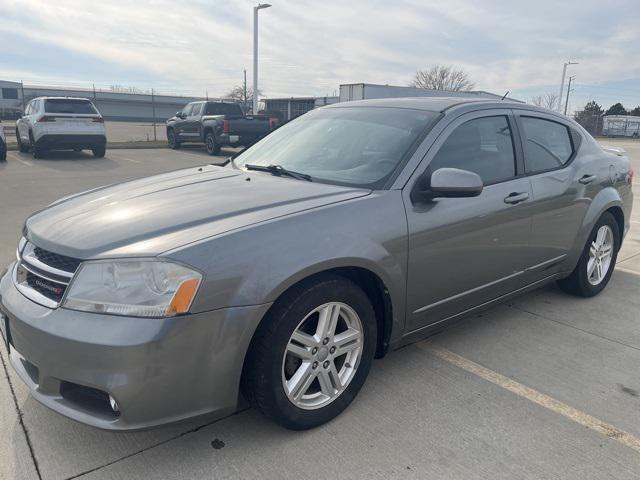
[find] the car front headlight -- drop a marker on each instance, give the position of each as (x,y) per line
(139,288)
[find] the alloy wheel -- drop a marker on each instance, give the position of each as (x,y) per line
(600,255)
(322,355)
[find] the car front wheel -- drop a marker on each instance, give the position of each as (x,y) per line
(597,261)
(312,353)
(172,139)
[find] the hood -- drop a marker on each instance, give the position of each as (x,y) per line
(155,214)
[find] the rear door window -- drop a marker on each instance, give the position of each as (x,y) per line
(547,144)
(67,105)
(483,146)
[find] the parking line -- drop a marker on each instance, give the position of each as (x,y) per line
(20,159)
(130,159)
(534,396)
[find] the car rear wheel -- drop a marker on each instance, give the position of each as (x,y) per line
(99,152)
(312,354)
(21,146)
(597,261)
(172,139)
(213,148)
(36,150)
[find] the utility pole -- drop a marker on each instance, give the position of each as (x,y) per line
(564,74)
(244,86)
(22,90)
(256,9)
(566,103)
(153,106)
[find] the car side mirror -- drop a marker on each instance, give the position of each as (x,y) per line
(449,183)
(179,115)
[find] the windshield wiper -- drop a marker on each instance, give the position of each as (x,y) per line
(278,170)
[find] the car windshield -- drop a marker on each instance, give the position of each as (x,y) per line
(356,146)
(66,105)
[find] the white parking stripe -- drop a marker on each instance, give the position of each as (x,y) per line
(129,159)
(535,396)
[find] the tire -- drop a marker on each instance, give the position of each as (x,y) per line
(173,141)
(270,363)
(581,282)
(3,155)
(36,151)
(210,144)
(99,152)
(21,146)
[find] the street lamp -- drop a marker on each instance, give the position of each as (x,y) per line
(260,6)
(564,74)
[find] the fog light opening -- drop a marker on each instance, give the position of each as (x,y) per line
(114,404)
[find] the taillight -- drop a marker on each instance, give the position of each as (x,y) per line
(631,173)
(273,122)
(98,120)
(225,126)
(47,118)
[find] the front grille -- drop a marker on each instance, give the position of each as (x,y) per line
(46,287)
(43,276)
(61,262)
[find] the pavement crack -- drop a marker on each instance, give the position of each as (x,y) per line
(588,332)
(158,444)
(25,430)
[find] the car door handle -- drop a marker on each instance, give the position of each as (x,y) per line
(585,179)
(516,197)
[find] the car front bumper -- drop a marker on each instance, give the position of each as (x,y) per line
(157,370)
(65,141)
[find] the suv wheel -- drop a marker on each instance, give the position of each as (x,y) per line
(172,139)
(211,145)
(21,146)
(37,151)
(598,260)
(312,353)
(99,152)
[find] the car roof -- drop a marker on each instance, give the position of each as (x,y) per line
(62,98)
(438,104)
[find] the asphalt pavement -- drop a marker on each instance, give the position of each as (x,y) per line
(544,387)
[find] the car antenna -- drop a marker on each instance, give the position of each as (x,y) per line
(505,95)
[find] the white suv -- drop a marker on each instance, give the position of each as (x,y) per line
(3,145)
(61,123)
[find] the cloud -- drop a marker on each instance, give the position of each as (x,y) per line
(310,47)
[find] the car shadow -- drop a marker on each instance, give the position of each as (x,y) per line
(59,160)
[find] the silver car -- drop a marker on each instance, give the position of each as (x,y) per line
(351,231)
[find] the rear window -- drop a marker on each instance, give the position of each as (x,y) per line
(65,105)
(223,109)
(547,144)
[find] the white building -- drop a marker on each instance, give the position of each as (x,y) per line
(621,126)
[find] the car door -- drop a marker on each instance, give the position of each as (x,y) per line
(192,124)
(464,252)
(23,123)
(561,188)
(181,122)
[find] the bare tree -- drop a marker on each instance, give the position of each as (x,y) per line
(443,77)
(243,95)
(125,89)
(548,100)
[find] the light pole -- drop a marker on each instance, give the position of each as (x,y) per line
(566,103)
(564,74)
(260,6)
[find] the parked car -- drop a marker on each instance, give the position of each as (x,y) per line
(3,144)
(61,123)
(217,124)
(351,231)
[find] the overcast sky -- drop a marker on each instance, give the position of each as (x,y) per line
(310,47)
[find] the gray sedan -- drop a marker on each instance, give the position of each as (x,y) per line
(351,231)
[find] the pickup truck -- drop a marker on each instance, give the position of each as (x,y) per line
(217,124)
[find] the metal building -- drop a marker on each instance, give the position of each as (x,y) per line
(364,91)
(621,126)
(112,105)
